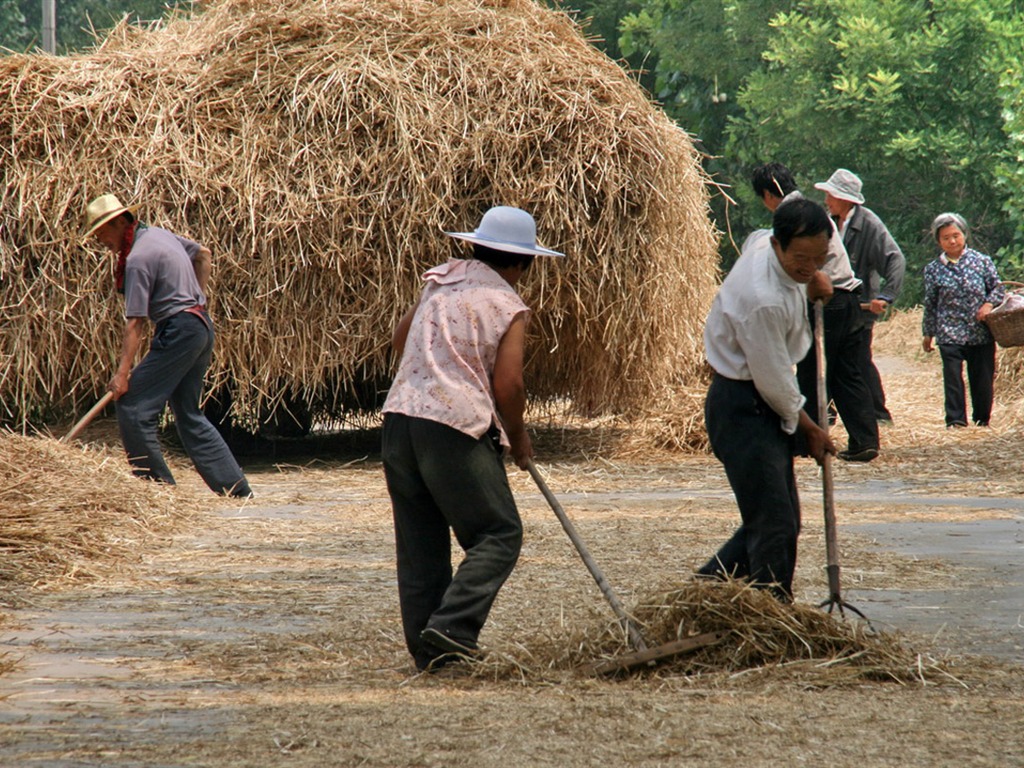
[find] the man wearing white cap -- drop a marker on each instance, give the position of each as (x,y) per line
(455,407)
(876,259)
(163,278)
(775,184)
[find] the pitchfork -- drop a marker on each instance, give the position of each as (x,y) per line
(835,597)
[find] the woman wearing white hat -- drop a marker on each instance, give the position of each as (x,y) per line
(455,406)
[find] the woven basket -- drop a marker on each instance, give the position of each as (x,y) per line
(1007,324)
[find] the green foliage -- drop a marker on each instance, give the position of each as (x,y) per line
(14,29)
(1010,173)
(909,95)
(21,20)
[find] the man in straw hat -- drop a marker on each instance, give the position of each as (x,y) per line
(844,325)
(756,331)
(163,278)
(876,259)
(455,407)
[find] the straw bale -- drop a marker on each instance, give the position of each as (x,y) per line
(69,512)
(320,147)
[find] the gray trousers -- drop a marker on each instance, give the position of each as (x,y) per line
(172,373)
(443,481)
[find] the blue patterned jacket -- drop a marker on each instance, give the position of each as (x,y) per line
(953,293)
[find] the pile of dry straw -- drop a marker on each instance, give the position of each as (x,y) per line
(758,633)
(320,147)
(69,512)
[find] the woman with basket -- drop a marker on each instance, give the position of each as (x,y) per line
(961,287)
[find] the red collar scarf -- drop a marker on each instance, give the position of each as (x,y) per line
(122,255)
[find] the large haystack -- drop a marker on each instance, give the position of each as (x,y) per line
(320,147)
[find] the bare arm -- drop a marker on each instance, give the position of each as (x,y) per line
(401,332)
(510,391)
(134,331)
(203,266)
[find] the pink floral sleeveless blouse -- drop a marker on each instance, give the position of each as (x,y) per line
(445,372)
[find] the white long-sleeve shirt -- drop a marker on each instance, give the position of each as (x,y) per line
(757,329)
(838,266)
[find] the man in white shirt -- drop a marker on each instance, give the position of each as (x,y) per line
(756,332)
(846,383)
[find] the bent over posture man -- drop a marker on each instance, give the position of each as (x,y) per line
(756,332)
(163,278)
(844,382)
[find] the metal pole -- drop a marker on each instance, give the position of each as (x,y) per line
(50,26)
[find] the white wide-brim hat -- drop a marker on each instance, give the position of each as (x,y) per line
(843,184)
(507,229)
(103,209)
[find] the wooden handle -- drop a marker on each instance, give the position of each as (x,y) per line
(84,421)
(635,638)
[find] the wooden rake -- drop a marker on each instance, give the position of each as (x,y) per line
(642,654)
(83,422)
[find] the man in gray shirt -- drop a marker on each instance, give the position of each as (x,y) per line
(876,259)
(163,278)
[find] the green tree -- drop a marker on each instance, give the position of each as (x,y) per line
(909,95)
(1010,173)
(21,20)
(699,53)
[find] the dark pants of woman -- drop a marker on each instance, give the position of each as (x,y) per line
(981,372)
(441,479)
(746,435)
(172,372)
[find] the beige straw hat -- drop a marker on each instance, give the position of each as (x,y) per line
(103,209)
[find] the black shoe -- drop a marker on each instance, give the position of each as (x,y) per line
(884,421)
(444,644)
(956,425)
(864,454)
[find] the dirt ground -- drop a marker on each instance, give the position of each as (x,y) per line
(268,633)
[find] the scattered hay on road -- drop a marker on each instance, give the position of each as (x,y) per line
(69,511)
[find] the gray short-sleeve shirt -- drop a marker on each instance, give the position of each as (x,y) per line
(159,279)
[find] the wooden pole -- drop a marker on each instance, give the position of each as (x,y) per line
(50,26)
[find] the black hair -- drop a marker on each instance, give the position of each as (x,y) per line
(773,178)
(799,218)
(501,259)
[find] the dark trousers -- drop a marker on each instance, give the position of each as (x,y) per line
(172,373)
(441,479)
(844,376)
(981,371)
(871,375)
(746,435)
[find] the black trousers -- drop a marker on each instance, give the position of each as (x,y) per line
(981,371)
(844,375)
(746,435)
(871,375)
(441,481)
